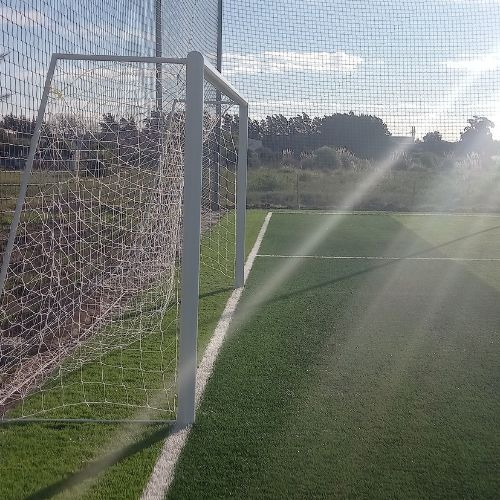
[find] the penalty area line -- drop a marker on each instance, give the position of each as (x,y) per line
(164,469)
(381,212)
(347,257)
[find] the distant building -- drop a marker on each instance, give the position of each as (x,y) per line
(403,142)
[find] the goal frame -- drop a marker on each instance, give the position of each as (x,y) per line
(198,71)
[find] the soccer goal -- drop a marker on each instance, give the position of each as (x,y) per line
(135,180)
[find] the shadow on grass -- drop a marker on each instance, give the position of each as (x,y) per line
(217,292)
(153,308)
(96,467)
(379,266)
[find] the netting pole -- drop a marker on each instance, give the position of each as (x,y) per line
(215,171)
(241,196)
(191,238)
(158,53)
(219,35)
(23,188)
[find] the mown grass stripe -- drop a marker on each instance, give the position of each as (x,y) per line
(388,212)
(380,257)
(356,380)
(164,469)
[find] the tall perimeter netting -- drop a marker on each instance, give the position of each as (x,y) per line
(30,32)
(378,105)
(90,307)
(369,105)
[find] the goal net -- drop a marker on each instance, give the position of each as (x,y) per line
(90,304)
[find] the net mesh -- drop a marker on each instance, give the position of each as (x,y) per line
(90,310)
(219,185)
(90,305)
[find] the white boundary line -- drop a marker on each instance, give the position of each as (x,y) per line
(164,469)
(347,257)
(419,214)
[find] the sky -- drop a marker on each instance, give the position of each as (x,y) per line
(431,64)
(31,30)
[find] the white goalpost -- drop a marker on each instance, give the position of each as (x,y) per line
(114,223)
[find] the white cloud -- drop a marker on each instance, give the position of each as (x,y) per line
(279,62)
(288,107)
(104,31)
(26,18)
(486,62)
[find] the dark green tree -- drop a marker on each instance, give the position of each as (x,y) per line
(366,136)
(432,137)
(21,125)
(477,137)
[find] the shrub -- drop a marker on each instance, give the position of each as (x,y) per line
(267,155)
(426,160)
(265,181)
(253,159)
(326,157)
(262,156)
(447,163)
(402,162)
(288,160)
(307,162)
(346,159)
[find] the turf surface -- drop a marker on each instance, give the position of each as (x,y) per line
(96,460)
(358,378)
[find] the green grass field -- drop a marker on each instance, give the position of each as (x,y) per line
(107,460)
(358,378)
(366,365)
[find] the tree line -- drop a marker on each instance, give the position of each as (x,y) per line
(364,136)
(64,139)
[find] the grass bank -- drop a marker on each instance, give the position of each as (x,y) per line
(447,190)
